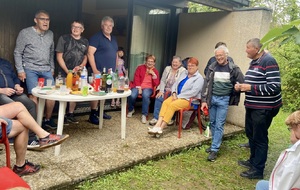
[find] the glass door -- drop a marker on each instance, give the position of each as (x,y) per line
(149,34)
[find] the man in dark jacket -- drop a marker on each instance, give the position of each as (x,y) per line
(218,93)
(11,91)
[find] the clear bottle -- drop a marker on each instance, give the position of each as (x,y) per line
(69,79)
(126,81)
(109,81)
(84,76)
(104,76)
(121,81)
(58,81)
(115,84)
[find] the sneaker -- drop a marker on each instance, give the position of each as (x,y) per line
(171,122)
(33,144)
(144,119)
(27,169)
(245,163)
(153,121)
(52,140)
(94,119)
(106,116)
(130,113)
(155,130)
(71,118)
(49,124)
(208,150)
(212,156)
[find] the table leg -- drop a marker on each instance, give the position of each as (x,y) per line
(41,106)
(101,107)
(123,117)
(60,123)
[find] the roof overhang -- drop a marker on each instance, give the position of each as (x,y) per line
(228,5)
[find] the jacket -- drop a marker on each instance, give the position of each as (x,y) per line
(236,75)
(8,77)
(192,87)
(286,173)
(166,75)
(139,76)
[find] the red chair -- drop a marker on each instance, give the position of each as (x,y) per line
(10,180)
(4,140)
(190,108)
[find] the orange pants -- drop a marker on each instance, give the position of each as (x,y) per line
(169,107)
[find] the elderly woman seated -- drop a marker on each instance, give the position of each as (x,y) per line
(188,86)
(170,75)
(146,77)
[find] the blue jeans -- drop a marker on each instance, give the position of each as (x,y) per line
(262,185)
(33,76)
(217,116)
(157,105)
(146,93)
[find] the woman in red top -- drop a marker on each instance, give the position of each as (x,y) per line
(146,77)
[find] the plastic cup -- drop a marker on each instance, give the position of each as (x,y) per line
(63,90)
(41,82)
(49,82)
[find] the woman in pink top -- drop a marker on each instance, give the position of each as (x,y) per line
(146,77)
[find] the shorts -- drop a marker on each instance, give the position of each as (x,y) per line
(33,76)
(8,127)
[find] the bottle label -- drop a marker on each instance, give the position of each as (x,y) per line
(108,82)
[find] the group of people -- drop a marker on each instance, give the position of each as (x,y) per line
(34,58)
(221,87)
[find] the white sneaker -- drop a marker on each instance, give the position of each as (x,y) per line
(171,122)
(129,114)
(155,130)
(144,119)
(153,121)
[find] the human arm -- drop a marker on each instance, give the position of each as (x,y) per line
(52,65)
(18,54)
(91,59)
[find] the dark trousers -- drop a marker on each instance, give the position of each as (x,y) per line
(257,125)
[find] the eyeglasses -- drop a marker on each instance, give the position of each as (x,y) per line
(44,19)
(76,27)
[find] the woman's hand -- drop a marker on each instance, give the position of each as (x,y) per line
(159,94)
(174,96)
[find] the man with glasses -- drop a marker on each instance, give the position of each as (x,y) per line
(33,54)
(102,53)
(71,53)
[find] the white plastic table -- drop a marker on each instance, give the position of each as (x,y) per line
(63,99)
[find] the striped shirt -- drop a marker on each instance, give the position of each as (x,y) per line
(264,77)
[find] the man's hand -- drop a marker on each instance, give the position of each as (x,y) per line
(22,76)
(19,89)
(7,91)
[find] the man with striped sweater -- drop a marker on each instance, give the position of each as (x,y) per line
(262,89)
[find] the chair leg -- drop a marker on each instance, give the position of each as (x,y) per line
(7,150)
(199,121)
(180,123)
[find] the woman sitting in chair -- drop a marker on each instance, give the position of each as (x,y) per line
(170,75)
(188,86)
(146,77)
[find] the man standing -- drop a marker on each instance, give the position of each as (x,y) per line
(102,53)
(33,54)
(71,53)
(262,88)
(218,93)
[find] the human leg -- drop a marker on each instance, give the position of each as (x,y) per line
(132,98)
(18,111)
(146,93)
(157,106)
(70,115)
(94,116)
(221,103)
(28,103)
(31,82)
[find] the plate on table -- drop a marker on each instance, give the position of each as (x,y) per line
(100,93)
(45,91)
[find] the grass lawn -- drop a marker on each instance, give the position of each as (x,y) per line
(190,169)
